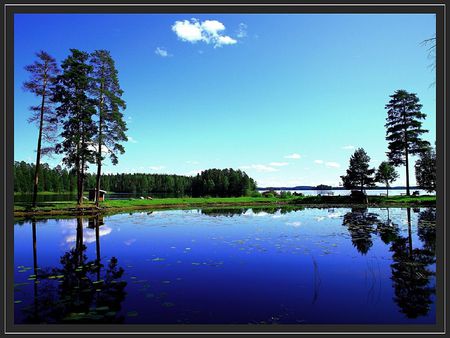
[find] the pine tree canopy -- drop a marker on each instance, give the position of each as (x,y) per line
(404,127)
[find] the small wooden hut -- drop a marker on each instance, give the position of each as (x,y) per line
(101,196)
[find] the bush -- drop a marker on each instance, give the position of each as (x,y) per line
(254,193)
(285,194)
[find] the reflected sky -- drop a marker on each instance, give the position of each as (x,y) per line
(260,265)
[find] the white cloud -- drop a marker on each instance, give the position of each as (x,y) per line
(294,156)
(188,31)
(242,31)
(224,40)
(132,140)
(278,164)
(213,27)
(332,165)
(318,161)
(156,167)
(259,168)
(208,31)
(161,51)
(348,147)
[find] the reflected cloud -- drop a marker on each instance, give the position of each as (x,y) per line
(128,242)
(88,235)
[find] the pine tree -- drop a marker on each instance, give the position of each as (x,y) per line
(426,170)
(43,74)
(111,125)
(359,175)
(386,174)
(75,111)
(404,129)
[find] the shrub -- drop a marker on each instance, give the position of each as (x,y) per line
(285,194)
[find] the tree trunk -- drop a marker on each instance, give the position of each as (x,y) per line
(408,211)
(407,171)
(387,189)
(38,150)
(81,180)
(97,244)
(79,197)
(406,152)
(99,155)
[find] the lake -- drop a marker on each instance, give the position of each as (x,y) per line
(229,266)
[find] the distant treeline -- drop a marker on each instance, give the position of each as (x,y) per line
(211,182)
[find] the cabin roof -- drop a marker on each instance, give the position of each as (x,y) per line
(103,191)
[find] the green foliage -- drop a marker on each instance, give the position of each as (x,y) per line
(425,169)
(75,113)
(386,174)
(285,194)
(404,129)
(359,175)
(43,73)
(105,90)
(324,187)
(222,183)
(41,83)
(62,180)
(56,180)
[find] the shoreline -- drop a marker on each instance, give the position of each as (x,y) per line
(116,206)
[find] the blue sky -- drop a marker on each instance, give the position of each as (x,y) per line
(284,97)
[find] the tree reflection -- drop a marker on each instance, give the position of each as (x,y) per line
(80,290)
(360,224)
(387,230)
(411,275)
(228,212)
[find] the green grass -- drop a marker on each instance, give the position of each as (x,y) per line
(70,207)
(40,193)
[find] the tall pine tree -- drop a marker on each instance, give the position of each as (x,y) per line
(76,111)
(359,175)
(105,89)
(404,129)
(43,74)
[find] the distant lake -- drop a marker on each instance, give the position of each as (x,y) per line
(21,198)
(376,192)
(229,266)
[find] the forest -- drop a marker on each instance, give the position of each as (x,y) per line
(212,182)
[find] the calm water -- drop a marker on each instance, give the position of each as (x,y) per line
(343,192)
(352,266)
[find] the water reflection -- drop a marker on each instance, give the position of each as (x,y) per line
(411,273)
(80,290)
(84,290)
(410,270)
(360,225)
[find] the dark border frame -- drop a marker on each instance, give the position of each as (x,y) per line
(221,6)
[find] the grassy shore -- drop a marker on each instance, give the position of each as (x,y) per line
(71,208)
